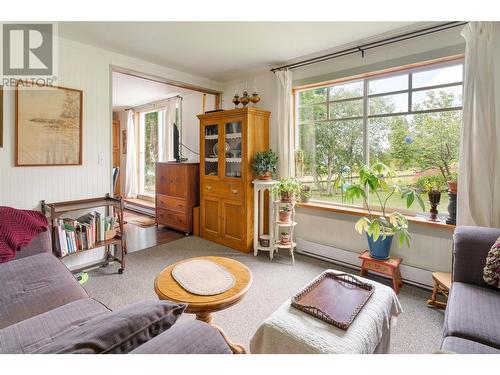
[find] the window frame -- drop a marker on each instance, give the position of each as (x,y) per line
(141,148)
(366,78)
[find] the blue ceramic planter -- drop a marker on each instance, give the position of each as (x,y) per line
(381,248)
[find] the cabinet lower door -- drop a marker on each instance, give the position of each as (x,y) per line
(233,220)
(210,216)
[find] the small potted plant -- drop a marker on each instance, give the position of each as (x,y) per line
(452,194)
(381,227)
(434,193)
(264,164)
(305,193)
(285,214)
(452,183)
(288,188)
(285,238)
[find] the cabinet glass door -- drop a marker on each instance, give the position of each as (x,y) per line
(211,157)
(233,146)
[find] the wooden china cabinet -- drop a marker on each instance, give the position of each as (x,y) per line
(226,190)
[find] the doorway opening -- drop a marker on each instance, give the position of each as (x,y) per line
(153,121)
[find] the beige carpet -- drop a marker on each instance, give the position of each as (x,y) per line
(418,329)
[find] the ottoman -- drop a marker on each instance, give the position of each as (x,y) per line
(291,331)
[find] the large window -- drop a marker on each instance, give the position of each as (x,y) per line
(409,120)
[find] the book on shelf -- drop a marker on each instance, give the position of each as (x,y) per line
(83,233)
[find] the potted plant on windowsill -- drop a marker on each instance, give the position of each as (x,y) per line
(381,227)
(264,164)
(452,194)
(288,188)
(434,193)
(452,183)
(305,193)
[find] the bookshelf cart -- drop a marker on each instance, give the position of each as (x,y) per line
(56,210)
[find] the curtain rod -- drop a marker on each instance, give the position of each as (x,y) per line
(154,104)
(364,47)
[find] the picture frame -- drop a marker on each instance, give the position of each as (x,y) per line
(1,116)
(124,142)
(49,125)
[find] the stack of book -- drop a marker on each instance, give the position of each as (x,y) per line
(83,233)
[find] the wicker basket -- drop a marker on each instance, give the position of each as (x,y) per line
(110,234)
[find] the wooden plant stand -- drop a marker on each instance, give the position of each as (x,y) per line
(388,267)
(442,285)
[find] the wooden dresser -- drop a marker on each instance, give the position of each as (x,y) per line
(226,190)
(177,192)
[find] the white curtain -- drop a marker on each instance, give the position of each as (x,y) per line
(131,186)
(286,151)
(167,153)
(479,167)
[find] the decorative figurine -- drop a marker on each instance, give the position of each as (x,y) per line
(245,99)
(255,98)
(236,100)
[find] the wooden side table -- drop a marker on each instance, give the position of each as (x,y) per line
(442,284)
(204,307)
(388,267)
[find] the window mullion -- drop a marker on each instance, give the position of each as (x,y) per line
(366,145)
(410,91)
(328,103)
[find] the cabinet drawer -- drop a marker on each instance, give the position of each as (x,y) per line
(377,267)
(228,190)
(171,218)
(170,203)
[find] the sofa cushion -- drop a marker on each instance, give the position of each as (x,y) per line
(192,337)
(120,331)
(33,285)
(472,314)
(40,244)
(33,333)
(491,272)
(463,346)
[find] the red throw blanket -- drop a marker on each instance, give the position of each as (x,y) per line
(17,229)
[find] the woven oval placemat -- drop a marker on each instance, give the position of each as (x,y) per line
(203,277)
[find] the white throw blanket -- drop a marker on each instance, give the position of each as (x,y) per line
(289,330)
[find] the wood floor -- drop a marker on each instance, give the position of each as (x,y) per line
(141,238)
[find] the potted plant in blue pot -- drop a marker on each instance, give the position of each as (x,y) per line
(382,227)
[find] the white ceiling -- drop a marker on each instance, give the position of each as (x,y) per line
(222,51)
(130,91)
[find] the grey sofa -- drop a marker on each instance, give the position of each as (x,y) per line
(41,300)
(472,320)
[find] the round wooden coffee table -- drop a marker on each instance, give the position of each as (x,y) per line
(205,306)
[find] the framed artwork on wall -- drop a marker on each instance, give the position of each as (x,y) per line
(1,116)
(124,142)
(48,125)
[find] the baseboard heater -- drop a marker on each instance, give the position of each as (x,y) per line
(137,208)
(411,275)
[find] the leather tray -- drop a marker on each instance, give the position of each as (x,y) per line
(334,298)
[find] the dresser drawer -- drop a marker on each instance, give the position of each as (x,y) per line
(228,190)
(171,218)
(170,203)
(378,267)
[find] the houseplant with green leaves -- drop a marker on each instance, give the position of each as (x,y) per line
(433,190)
(288,188)
(381,227)
(264,164)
